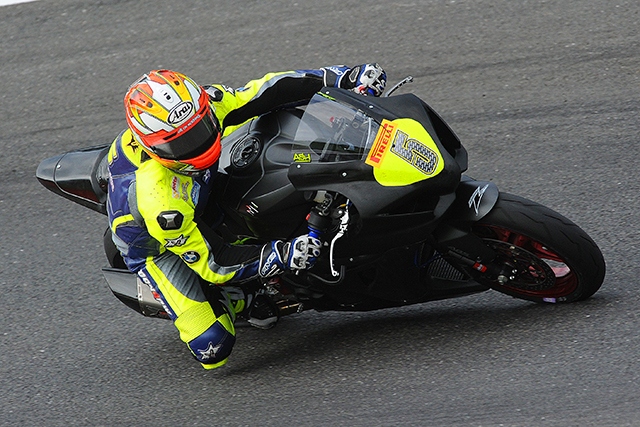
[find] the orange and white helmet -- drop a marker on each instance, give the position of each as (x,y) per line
(170,116)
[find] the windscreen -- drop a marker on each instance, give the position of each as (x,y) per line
(333,132)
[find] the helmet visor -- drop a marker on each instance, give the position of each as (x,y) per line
(193,143)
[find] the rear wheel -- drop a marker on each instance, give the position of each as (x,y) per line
(545,257)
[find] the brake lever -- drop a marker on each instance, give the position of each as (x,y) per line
(404,81)
(342,229)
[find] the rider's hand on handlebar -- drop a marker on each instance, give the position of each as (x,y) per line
(303,252)
(298,254)
(365,79)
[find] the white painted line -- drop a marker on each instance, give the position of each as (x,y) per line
(10,2)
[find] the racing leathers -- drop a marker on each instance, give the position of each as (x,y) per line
(155,216)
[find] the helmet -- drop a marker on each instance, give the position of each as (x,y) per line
(170,117)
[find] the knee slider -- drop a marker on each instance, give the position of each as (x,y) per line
(213,346)
(209,338)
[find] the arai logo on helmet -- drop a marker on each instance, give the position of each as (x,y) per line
(180,112)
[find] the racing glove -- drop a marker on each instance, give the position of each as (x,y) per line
(277,256)
(365,79)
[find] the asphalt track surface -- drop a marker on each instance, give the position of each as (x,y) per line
(545,95)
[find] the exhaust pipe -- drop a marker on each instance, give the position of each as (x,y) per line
(129,289)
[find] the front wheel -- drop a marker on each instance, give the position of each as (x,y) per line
(544,256)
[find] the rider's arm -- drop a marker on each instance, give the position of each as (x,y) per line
(274,90)
(165,201)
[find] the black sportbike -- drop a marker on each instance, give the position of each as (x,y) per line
(381,181)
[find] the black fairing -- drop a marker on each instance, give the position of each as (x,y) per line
(253,187)
(80,176)
(355,179)
(269,194)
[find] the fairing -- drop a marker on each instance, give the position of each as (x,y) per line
(80,176)
(272,166)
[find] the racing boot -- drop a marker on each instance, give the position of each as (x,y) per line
(256,308)
(263,312)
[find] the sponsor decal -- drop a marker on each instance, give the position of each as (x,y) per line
(178,241)
(185,191)
(190,257)
(209,352)
(335,70)
(195,193)
(133,145)
(268,266)
(180,189)
(381,144)
(301,158)
(403,153)
(145,280)
(175,187)
(252,209)
(143,276)
(188,125)
(415,153)
(180,112)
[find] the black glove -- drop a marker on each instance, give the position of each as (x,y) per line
(277,257)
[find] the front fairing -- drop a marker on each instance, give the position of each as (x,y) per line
(340,142)
(386,156)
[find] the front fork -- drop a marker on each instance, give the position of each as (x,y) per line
(453,238)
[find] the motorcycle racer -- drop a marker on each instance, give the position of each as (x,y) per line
(161,170)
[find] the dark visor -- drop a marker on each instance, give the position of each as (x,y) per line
(191,144)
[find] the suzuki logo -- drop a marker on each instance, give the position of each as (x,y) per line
(180,112)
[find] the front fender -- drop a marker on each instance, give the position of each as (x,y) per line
(453,237)
(474,200)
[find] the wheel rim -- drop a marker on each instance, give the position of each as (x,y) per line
(540,273)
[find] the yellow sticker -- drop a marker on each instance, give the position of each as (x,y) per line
(301,158)
(404,153)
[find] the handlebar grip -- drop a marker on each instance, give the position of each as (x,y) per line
(317,224)
(315,233)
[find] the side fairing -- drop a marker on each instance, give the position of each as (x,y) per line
(253,187)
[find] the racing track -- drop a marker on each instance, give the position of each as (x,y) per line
(544,94)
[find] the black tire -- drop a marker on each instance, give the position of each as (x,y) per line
(553,259)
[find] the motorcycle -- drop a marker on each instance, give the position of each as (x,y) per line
(381,182)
